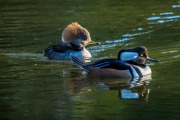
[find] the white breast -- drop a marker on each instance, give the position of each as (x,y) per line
(145,70)
(86,54)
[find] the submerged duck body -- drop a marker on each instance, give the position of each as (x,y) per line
(74,40)
(130,64)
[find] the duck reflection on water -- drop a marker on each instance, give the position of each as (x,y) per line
(130,88)
(127,88)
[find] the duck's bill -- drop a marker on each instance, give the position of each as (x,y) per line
(152,60)
(92,43)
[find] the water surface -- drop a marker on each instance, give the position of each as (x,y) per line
(32,87)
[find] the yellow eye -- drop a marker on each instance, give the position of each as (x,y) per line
(141,55)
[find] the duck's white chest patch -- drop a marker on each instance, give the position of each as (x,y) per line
(86,54)
(145,71)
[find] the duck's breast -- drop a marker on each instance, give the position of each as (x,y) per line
(145,70)
(86,54)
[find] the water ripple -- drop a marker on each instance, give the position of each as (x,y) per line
(163,18)
(154,18)
(175,6)
(119,40)
(136,34)
(166,13)
(112,43)
(172,51)
(168,17)
(100,48)
(34,56)
(177,56)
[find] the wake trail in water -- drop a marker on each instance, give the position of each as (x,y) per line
(33,56)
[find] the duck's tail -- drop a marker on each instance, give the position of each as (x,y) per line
(79,62)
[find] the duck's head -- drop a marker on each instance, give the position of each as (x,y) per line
(137,55)
(74,31)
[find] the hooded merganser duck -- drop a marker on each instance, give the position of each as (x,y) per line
(130,64)
(74,40)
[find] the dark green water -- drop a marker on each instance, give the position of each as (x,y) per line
(34,88)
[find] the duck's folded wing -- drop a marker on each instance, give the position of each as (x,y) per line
(111,63)
(62,56)
(57,52)
(57,48)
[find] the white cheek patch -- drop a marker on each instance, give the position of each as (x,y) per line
(125,56)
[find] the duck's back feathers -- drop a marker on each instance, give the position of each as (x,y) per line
(111,63)
(112,68)
(101,64)
(52,51)
(58,48)
(61,52)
